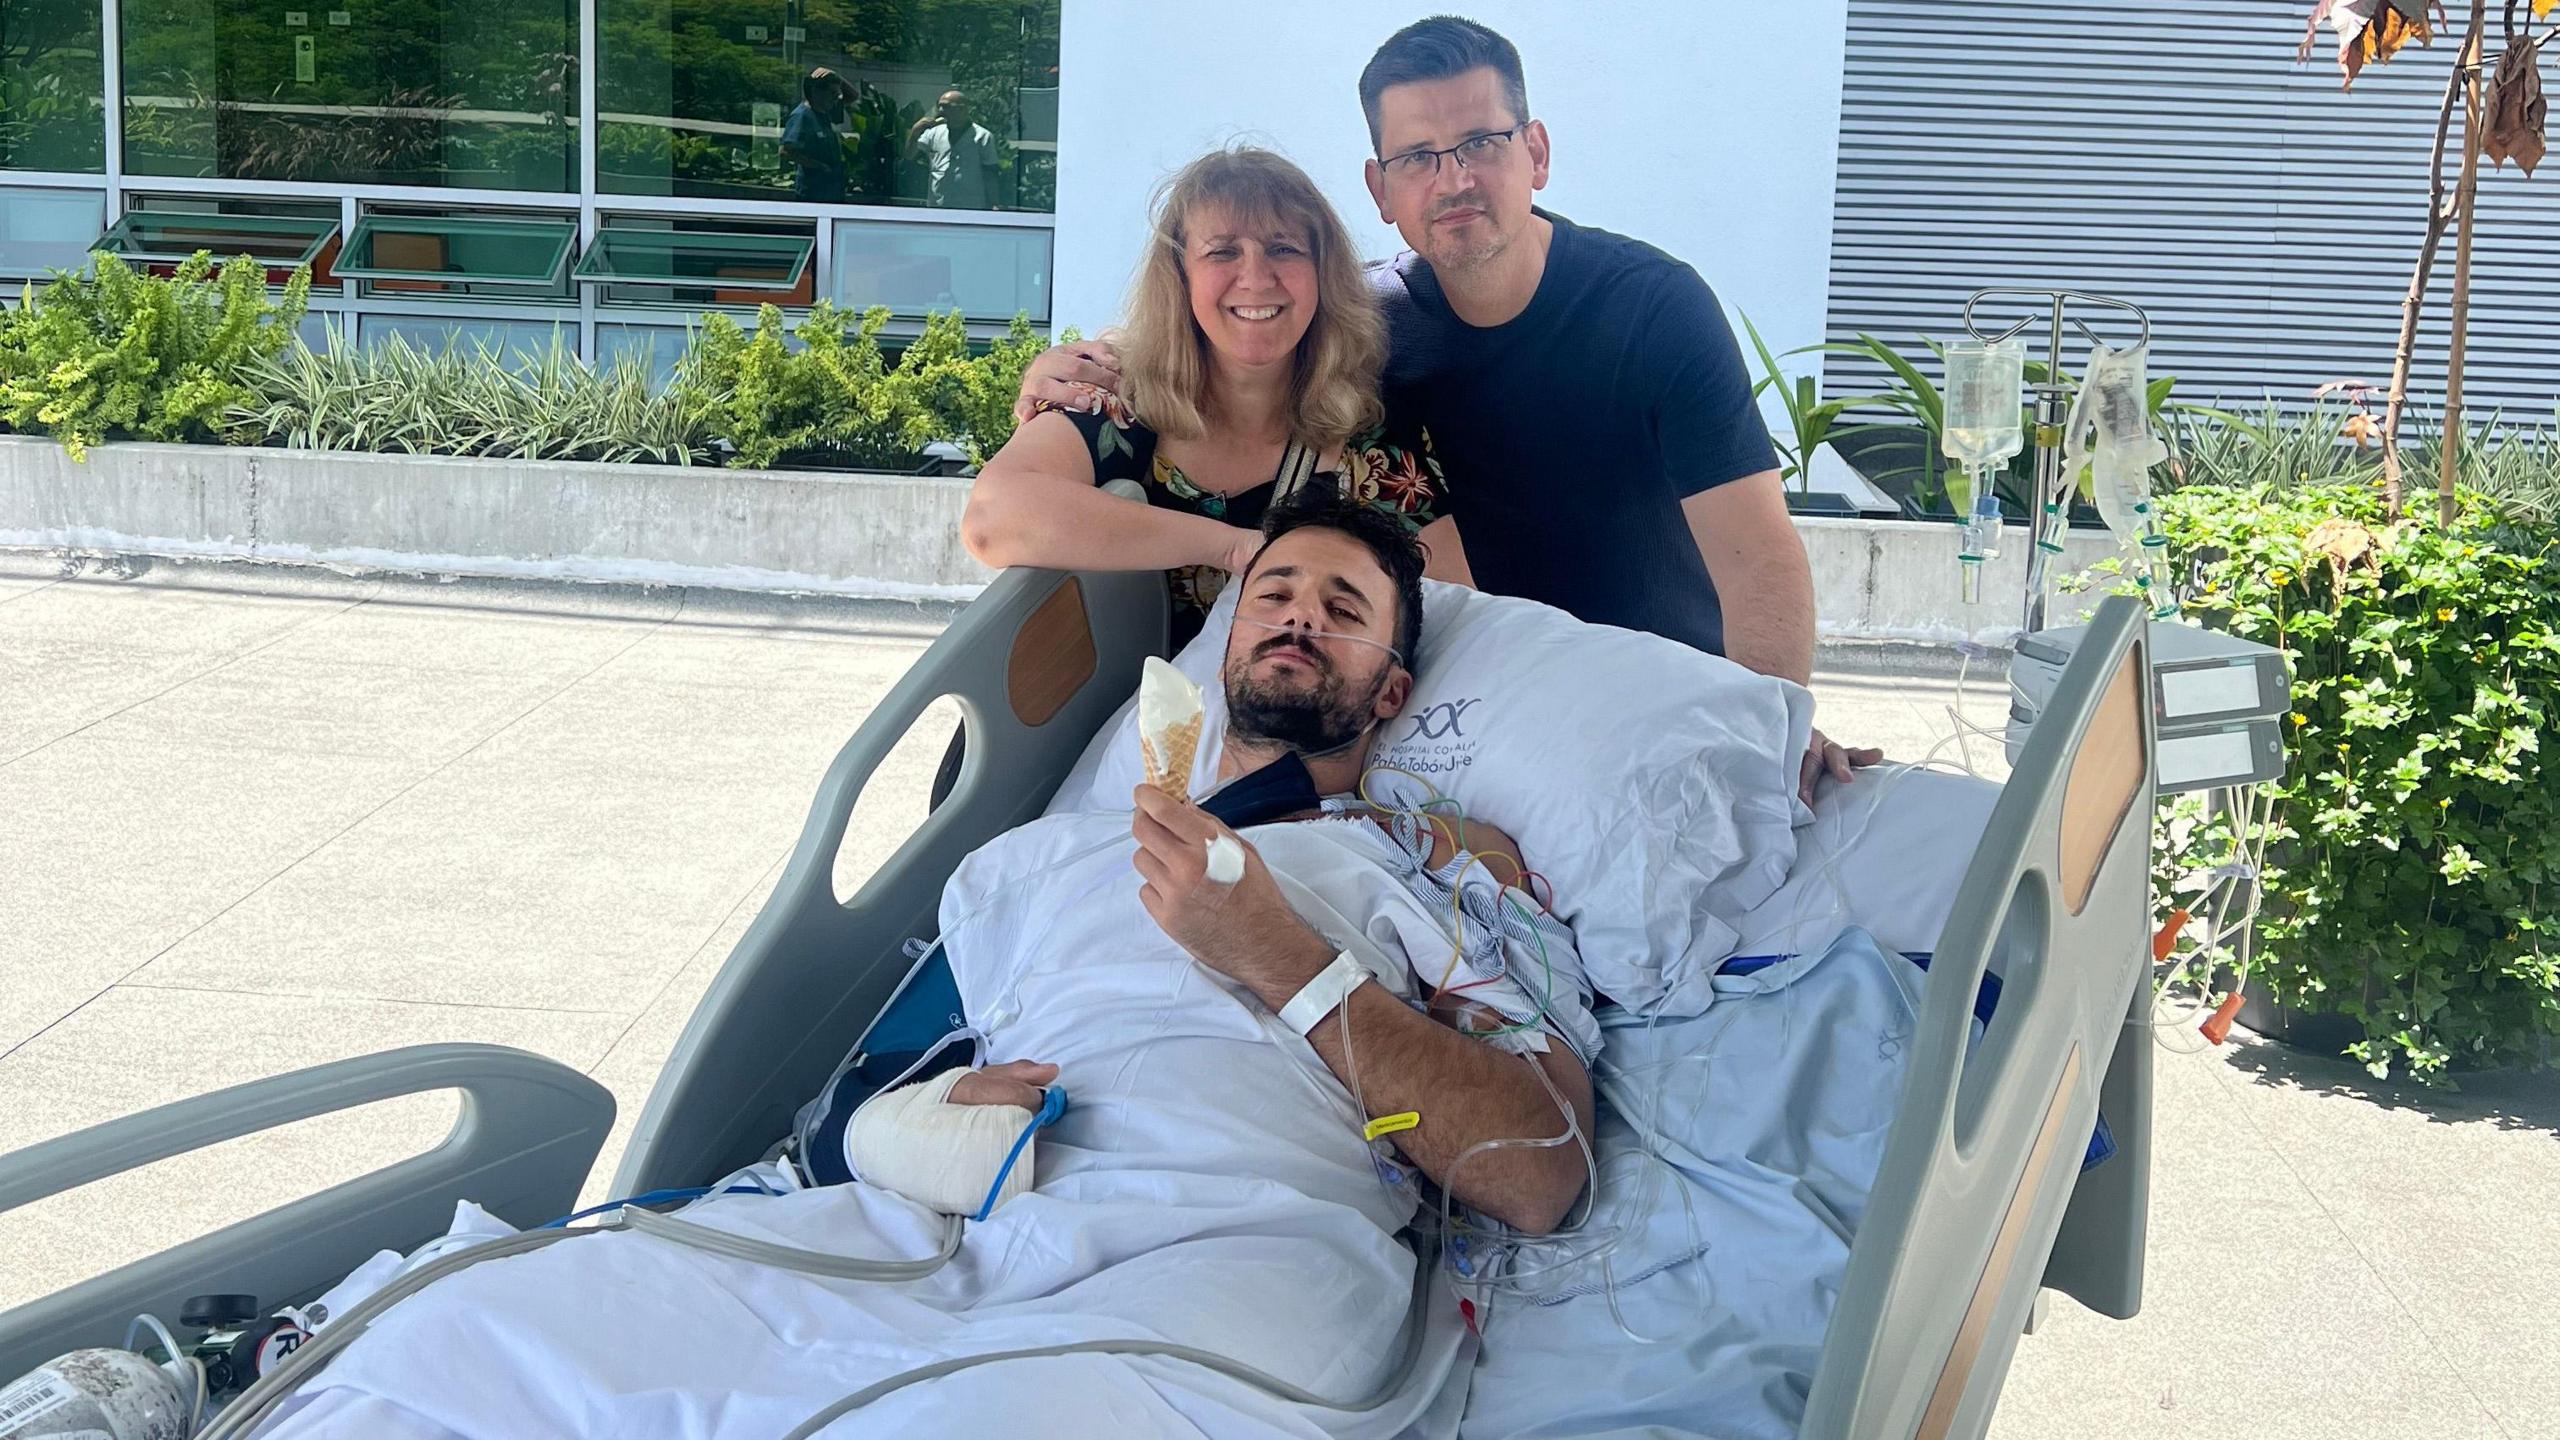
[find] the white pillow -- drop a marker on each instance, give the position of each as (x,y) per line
(1652,784)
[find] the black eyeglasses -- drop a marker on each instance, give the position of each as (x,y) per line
(1478,150)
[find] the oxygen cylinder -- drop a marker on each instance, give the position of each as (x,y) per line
(101,1395)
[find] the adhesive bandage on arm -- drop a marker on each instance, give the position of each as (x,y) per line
(1324,994)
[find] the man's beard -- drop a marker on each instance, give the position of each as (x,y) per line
(1313,719)
(1453,254)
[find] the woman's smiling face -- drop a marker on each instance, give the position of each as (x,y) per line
(1253,288)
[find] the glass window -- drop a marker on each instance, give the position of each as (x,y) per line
(321,331)
(741,262)
(658,348)
(52,86)
(226,205)
(163,238)
(657,261)
(384,92)
(986,272)
(517,342)
(171,216)
(42,231)
(460,255)
(949,103)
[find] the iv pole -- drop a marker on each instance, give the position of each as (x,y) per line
(2049,508)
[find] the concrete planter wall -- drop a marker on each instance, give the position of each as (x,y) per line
(1898,580)
(871,535)
(848,534)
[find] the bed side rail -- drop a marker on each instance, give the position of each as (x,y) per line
(1985,1153)
(1038,662)
(528,1132)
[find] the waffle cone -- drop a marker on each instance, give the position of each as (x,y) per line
(1169,756)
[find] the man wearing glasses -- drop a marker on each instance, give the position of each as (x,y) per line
(1582,388)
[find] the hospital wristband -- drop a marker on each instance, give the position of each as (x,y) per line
(1320,996)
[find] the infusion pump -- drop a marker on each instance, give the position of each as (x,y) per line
(2217,702)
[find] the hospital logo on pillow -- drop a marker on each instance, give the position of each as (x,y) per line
(1431,741)
(1432,722)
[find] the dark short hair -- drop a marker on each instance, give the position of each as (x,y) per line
(1398,552)
(1441,47)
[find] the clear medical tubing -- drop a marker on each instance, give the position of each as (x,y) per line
(1321,635)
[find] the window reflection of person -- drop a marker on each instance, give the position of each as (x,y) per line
(811,137)
(959,155)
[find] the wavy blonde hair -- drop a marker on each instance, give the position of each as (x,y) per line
(1164,357)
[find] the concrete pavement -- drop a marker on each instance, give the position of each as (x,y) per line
(255,819)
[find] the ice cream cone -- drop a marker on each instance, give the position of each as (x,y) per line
(1169,720)
(1169,757)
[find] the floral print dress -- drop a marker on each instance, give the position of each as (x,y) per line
(1391,468)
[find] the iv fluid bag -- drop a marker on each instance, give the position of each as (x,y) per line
(1985,396)
(2122,448)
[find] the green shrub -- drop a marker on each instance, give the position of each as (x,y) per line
(823,398)
(118,353)
(831,396)
(194,358)
(2414,850)
(942,392)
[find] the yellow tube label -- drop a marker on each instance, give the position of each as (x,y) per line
(1390,1124)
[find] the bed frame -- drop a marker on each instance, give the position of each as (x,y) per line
(1980,1201)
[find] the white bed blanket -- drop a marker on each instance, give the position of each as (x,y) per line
(1207,1185)
(1768,1114)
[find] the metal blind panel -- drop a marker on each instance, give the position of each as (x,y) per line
(2171,152)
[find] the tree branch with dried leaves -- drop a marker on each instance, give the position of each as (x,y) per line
(2503,120)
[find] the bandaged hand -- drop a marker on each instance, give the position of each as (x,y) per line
(1015,1082)
(945,1150)
(1244,930)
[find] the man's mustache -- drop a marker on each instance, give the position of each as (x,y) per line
(1472,200)
(1314,656)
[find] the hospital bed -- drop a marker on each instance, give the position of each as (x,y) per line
(1980,1204)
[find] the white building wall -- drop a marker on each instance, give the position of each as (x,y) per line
(1708,127)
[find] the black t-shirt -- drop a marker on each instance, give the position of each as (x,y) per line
(1576,429)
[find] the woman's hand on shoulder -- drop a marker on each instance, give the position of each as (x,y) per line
(1076,377)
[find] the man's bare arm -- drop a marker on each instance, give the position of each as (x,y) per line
(1761,574)
(1765,580)
(1464,1090)
(1397,1059)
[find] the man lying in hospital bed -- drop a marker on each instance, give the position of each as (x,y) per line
(1266,1025)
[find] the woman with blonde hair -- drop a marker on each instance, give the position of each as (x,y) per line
(1250,361)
